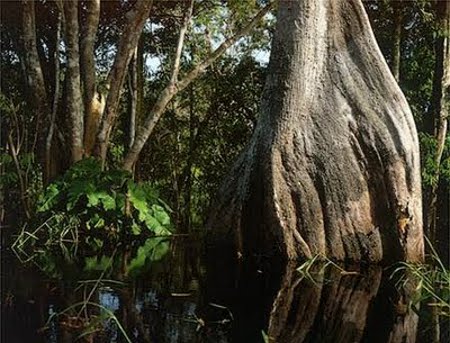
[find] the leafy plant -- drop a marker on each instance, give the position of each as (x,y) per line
(433,281)
(430,170)
(95,210)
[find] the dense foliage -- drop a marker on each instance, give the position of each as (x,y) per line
(203,128)
(97,214)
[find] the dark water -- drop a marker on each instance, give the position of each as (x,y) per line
(183,299)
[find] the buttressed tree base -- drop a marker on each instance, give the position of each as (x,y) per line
(333,166)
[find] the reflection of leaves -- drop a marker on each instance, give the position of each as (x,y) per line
(153,250)
(94,264)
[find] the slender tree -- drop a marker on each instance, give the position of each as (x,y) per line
(441,104)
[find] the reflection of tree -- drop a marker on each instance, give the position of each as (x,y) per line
(338,307)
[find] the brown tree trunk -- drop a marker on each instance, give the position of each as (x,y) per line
(340,308)
(136,19)
(73,80)
(333,166)
(441,105)
(87,64)
(49,158)
(133,93)
(37,94)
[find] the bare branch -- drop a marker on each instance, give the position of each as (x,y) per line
(22,183)
(183,30)
(172,89)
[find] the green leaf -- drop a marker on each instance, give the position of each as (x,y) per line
(155,226)
(135,229)
(49,198)
(108,202)
(137,197)
(77,189)
(161,215)
(153,250)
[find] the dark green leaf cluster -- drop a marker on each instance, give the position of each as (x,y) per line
(108,205)
(92,220)
(431,172)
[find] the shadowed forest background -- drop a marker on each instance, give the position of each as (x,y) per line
(132,129)
(186,138)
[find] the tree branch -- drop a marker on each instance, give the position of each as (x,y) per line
(136,19)
(171,90)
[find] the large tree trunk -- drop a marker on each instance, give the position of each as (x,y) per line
(333,166)
(341,308)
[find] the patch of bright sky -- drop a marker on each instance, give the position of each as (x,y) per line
(153,63)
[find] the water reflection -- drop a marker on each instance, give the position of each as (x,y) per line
(179,300)
(341,307)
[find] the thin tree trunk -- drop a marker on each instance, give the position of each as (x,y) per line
(37,94)
(140,74)
(136,19)
(333,167)
(172,89)
(396,43)
(133,91)
(441,105)
(22,183)
(87,65)
(73,80)
(49,140)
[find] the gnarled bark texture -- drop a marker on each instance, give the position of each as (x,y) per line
(333,165)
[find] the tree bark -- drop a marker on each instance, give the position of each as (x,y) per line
(48,143)
(441,105)
(37,94)
(341,308)
(333,166)
(87,44)
(73,81)
(133,92)
(136,19)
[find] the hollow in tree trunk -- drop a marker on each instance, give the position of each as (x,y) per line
(333,165)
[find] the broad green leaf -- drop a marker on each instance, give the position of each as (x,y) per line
(161,215)
(108,202)
(77,189)
(49,199)
(135,229)
(153,250)
(137,198)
